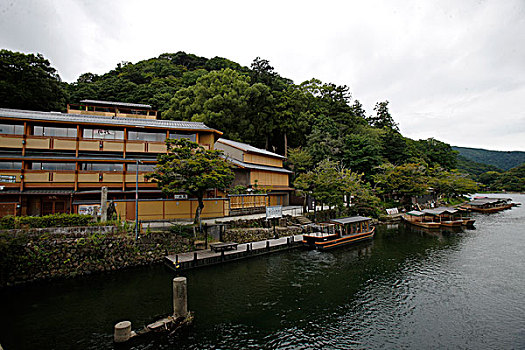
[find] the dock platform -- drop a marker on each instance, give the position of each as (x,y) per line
(199,258)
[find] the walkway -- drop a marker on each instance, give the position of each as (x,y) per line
(200,258)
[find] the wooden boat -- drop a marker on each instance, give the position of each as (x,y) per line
(489,205)
(340,232)
(421,219)
(447,217)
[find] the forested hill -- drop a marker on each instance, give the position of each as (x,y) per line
(501,159)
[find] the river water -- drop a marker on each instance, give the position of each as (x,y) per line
(405,289)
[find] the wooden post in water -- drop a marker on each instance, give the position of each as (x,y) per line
(180,297)
(122,332)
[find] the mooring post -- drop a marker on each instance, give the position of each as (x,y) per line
(177,259)
(180,297)
(247,247)
(267,244)
(122,332)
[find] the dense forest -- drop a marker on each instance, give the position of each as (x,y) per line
(317,125)
(499,159)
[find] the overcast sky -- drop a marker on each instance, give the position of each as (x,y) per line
(453,70)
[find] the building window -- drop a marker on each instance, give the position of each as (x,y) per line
(142,167)
(101,167)
(49,166)
(10,165)
(146,136)
(11,129)
(103,134)
(54,131)
(179,135)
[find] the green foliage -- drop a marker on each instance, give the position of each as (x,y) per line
(29,82)
(404,180)
(512,180)
(329,182)
(500,159)
(383,118)
(55,220)
(474,168)
(188,167)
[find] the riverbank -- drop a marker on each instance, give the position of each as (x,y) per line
(29,255)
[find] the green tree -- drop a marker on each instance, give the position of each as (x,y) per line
(29,82)
(190,168)
(382,119)
(404,181)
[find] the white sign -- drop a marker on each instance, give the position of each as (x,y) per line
(7,178)
(274,212)
(180,196)
(392,211)
(89,209)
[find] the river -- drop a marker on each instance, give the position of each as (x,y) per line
(405,289)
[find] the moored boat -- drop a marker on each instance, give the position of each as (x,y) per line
(421,219)
(489,205)
(340,232)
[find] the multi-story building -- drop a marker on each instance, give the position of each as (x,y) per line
(255,167)
(53,162)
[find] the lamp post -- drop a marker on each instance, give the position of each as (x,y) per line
(137,162)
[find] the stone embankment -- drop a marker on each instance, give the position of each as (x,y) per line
(40,254)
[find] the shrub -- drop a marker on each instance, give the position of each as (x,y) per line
(56,220)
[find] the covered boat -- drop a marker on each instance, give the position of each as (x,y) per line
(339,232)
(421,219)
(489,205)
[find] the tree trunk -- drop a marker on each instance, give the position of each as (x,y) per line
(198,213)
(285,146)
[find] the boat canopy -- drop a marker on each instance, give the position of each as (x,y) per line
(440,211)
(416,213)
(349,220)
(484,201)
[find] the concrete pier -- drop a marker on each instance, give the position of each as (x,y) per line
(200,258)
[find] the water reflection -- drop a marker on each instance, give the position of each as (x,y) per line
(406,288)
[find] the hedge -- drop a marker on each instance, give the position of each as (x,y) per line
(56,220)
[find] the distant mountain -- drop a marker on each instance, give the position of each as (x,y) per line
(475,168)
(500,159)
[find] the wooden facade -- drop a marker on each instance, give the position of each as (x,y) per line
(255,167)
(53,162)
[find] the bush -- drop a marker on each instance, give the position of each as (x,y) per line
(56,220)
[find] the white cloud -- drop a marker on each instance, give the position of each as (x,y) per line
(452,70)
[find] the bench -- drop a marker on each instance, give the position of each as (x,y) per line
(220,247)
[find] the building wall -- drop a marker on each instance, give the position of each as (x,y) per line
(171,209)
(262,160)
(230,151)
(267,178)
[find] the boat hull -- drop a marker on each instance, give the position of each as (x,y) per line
(345,240)
(424,224)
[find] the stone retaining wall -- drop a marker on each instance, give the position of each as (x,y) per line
(32,256)
(245,235)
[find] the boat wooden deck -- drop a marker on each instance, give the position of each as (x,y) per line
(207,257)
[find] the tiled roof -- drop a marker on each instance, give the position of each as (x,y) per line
(116,104)
(258,167)
(97,120)
(248,148)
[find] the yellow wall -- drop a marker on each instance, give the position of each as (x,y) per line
(207,139)
(262,160)
(11,141)
(157,147)
(36,177)
(268,178)
(113,146)
(135,147)
(89,145)
(170,209)
(37,143)
(64,144)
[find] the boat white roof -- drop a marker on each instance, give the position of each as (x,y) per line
(350,220)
